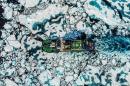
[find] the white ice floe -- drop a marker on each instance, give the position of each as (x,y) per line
(13,42)
(7,26)
(44,76)
(8,12)
(8,48)
(79,82)
(11,38)
(29,3)
(55,82)
(9,82)
(60,71)
(69,78)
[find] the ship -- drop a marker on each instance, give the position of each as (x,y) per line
(73,41)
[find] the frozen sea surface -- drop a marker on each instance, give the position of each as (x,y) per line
(24,24)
